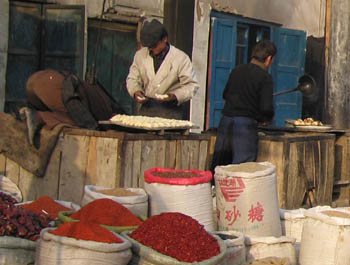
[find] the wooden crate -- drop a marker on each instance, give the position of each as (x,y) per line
(110,159)
(304,167)
(341,192)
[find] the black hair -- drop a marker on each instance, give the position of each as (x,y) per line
(264,49)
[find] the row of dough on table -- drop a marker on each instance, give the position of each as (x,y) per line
(149,122)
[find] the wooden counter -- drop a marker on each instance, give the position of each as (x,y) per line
(304,167)
(110,159)
(305,163)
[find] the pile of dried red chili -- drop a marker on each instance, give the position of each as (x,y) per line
(86,231)
(178,236)
(45,206)
(107,212)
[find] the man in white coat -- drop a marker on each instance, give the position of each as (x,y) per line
(161,76)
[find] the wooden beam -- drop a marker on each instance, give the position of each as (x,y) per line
(327,30)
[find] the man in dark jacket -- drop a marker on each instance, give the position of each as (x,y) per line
(248,101)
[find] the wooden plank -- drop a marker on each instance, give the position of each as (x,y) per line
(107,159)
(194,155)
(12,171)
(178,154)
(91,168)
(28,185)
(50,181)
(329,171)
(296,185)
(148,158)
(33,187)
(203,155)
(127,167)
(137,175)
(160,149)
(342,169)
(2,164)
(73,167)
(210,152)
(327,33)
(170,160)
(277,154)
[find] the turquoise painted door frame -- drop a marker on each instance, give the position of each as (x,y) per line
(287,69)
(223,60)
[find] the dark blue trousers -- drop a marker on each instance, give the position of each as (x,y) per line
(236,141)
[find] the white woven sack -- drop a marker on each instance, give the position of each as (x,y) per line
(9,187)
(236,253)
(137,204)
(292,222)
(60,250)
(193,200)
(15,251)
(325,240)
(247,201)
(262,247)
(269,261)
(143,255)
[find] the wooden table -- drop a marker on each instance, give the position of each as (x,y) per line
(107,158)
(304,166)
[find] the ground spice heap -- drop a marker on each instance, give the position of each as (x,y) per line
(178,236)
(107,212)
(86,231)
(45,205)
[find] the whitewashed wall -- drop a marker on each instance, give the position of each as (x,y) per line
(94,7)
(4,25)
(294,14)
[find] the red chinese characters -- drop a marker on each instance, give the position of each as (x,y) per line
(256,213)
(232,215)
(231,187)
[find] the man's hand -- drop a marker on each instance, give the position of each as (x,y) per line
(140,97)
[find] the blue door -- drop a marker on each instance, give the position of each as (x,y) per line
(286,70)
(231,39)
(223,57)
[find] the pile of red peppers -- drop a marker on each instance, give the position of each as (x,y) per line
(178,236)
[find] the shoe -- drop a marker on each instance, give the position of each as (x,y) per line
(32,124)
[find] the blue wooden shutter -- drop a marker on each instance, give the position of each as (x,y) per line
(115,52)
(23,57)
(223,58)
(63,41)
(286,70)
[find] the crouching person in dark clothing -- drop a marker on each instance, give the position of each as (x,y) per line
(248,98)
(57,97)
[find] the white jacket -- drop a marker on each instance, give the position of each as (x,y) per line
(175,75)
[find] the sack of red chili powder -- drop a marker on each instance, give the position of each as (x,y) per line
(54,249)
(106,212)
(48,206)
(184,191)
(135,199)
(176,239)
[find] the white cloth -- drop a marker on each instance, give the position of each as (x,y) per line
(175,75)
